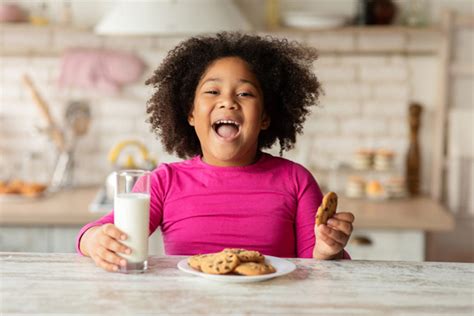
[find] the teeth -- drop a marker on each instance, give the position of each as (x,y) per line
(226,122)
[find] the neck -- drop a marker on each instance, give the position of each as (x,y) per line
(232,163)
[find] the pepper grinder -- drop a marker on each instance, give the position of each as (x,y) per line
(413,158)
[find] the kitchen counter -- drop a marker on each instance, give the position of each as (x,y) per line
(68,283)
(71,208)
(420,212)
(68,207)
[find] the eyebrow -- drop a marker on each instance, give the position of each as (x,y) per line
(240,80)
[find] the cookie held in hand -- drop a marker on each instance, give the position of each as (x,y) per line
(327,209)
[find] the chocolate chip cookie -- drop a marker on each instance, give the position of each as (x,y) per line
(254,268)
(246,255)
(327,209)
(219,263)
(196,260)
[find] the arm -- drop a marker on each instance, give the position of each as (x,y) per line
(102,240)
(313,243)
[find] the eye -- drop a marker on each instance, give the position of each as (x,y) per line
(211,92)
(245,94)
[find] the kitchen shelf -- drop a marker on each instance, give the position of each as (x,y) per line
(8,46)
(371,30)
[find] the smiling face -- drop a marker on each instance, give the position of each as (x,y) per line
(228,113)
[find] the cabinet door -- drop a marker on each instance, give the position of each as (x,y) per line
(63,239)
(406,245)
(24,239)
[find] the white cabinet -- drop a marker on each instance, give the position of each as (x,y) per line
(38,239)
(19,239)
(53,239)
(386,244)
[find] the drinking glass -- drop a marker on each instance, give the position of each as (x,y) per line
(132,216)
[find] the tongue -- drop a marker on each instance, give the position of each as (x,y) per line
(227,130)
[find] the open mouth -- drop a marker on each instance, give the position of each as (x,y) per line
(226,129)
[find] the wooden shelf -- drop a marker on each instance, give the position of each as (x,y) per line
(395,29)
(49,27)
(372,30)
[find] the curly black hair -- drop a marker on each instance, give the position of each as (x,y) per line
(283,69)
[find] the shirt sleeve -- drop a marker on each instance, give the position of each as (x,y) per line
(309,197)
(158,184)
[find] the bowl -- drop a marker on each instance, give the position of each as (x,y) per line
(311,20)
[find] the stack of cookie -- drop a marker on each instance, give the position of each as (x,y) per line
(363,159)
(232,261)
(355,187)
(396,187)
(383,159)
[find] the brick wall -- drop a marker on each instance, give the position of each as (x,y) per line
(368,78)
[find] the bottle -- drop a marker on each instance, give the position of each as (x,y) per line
(39,16)
(272,14)
(65,18)
(364,12)
(413,158)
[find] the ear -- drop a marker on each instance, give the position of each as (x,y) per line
(191,119)
(265,122)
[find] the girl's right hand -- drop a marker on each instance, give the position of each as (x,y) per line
(102,244)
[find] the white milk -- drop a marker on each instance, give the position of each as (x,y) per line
(132,215)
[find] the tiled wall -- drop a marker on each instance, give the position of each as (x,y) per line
(369,80)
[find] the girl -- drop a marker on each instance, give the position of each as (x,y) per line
(219,101)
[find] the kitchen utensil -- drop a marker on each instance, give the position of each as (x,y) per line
(78,119)
(148,163)
(52,128)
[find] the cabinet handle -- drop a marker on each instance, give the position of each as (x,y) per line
(361,241)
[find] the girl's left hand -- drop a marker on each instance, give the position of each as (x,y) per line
(333,237)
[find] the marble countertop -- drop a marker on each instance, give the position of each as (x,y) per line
(72,208)
(66,283)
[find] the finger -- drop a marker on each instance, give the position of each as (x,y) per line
(328,240)
(114,245)
(336,235)
(344,216)
(104,264)
(111,257)
(112,231)
(340,225)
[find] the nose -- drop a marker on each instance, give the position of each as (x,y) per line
(227,102)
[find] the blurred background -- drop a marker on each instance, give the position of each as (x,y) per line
(392,134)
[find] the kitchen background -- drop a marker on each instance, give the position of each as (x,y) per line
(370,74)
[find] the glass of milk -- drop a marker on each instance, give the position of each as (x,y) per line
(132,215)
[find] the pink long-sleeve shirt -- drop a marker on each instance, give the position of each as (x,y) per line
(269,206)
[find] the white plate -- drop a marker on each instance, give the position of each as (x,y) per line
(282,267)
